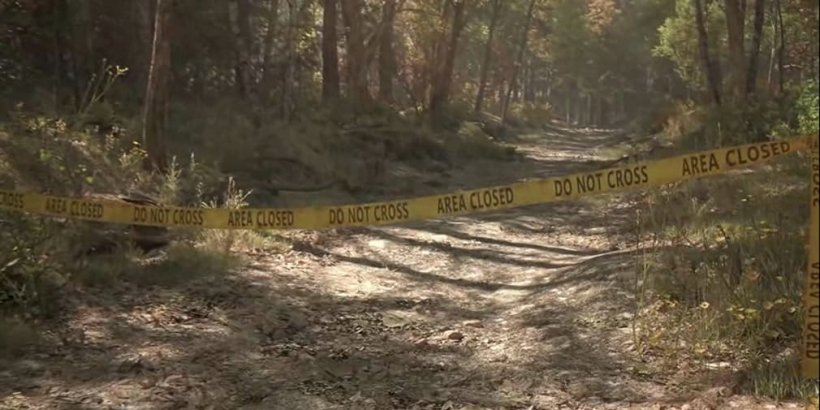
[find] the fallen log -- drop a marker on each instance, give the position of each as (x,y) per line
(145,238)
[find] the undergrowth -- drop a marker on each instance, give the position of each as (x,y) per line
(723,285)
(225,157)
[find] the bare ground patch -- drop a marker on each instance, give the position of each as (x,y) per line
(525,309)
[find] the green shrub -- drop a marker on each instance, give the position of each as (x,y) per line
(808,109)
(30,276)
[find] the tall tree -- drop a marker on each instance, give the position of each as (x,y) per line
(356,51)
(505,106)
(155,110)
(781,48)
(144,19)
(330,51)
(445,57)
(239,12)
(268,46)
(62,54)
(387,57)
(757,38)
(735,11)
(711,67)
(488,49)
(298,15)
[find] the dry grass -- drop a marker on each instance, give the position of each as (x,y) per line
(728,290)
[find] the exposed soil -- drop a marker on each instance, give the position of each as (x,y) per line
(526,309)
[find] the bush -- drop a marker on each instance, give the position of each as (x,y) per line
(808,109)
(762,118)
(471,143)
(757,120)
(532,115)
(30,275)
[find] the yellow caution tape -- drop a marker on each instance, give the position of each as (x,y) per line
(616,179)
(811,290)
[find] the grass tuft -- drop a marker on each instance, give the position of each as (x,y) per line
(724,282)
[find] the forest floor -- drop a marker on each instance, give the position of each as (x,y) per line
(523,309)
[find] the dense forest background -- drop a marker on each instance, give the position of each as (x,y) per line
(179,75)
(298,102)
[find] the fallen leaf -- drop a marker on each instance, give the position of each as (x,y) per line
(457,336)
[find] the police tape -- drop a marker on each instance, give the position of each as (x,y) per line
(616,179)
(810,352)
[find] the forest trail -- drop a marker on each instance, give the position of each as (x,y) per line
(523,309)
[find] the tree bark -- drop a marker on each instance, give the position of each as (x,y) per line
(711,67)
(781,49)
(773,53)
(156,96)
(568,108)
(267,47)
(62,53)
(735,25)
(144,16)
(330,51)
(485,64)
(529,84)
(239,14)
(757,38)
(356,52)
(505,107)
(443,74)
(246,43)
(287,85)
(387,57)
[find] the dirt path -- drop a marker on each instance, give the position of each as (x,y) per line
(527,309)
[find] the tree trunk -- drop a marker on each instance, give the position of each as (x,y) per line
(443,75)
(246,43)
(773,53)
(239,15)
(290,53)
(735,25)
(781,48)
(330,51)
(711,67)
(488,49)
(505,107)
(267,48)
(757,38)
(62,53)
(387,58)
(156,95)
(529,85)
(356,52)
(578,110)
(548,85)
(568,108)
(144,17)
